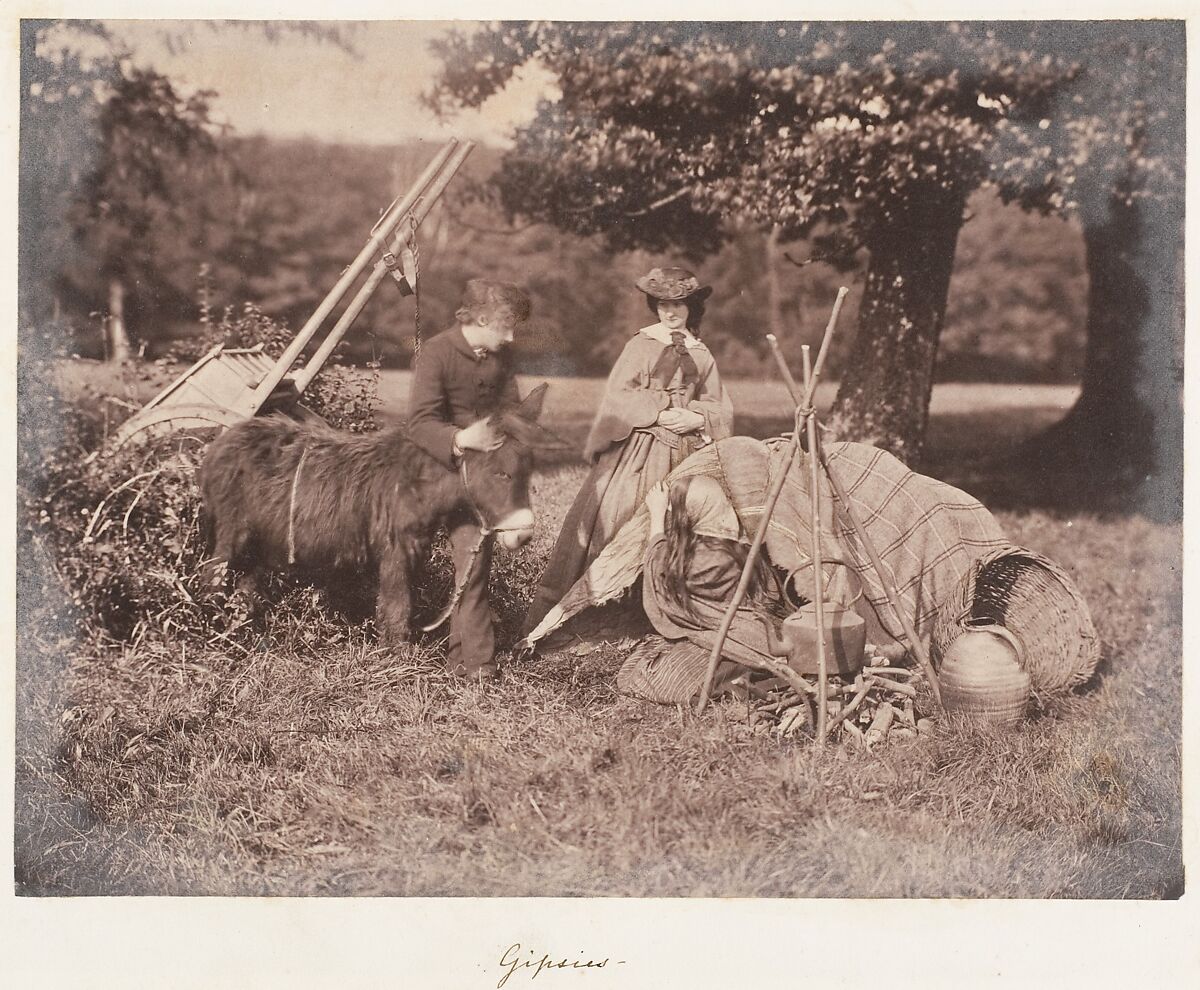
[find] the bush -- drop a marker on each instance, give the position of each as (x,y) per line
(123,535)
(345,397)
(122,530)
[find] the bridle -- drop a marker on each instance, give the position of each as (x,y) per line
(485,533)
(484,528)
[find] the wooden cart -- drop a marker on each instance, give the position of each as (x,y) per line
(230,384)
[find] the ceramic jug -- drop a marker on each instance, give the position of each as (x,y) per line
(983,672)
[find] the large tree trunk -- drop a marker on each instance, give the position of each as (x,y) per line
(888,377)
(117,338)
(1125,431)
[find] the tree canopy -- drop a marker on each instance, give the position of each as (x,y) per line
(665,135)
(105,147)
(664,132)
(110,151)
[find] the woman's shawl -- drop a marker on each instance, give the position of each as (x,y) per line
(633,398)
(712,577)
(926,533)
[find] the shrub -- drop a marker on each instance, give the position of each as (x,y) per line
(345,397)
(123,533)
(122,530)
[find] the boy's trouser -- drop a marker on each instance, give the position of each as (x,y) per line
(472,643)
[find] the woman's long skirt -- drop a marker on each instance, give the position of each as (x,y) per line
(611,493)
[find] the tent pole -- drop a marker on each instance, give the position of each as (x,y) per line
(418,213)
(885,577)
(814,499)
(380,233)
(739,593)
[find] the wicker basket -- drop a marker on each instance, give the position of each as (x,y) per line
(1035,598)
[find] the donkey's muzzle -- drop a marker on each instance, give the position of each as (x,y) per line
(515,529)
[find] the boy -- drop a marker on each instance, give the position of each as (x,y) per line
(463,375)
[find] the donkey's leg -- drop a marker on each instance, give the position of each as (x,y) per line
(215,570)
(394,605)
(238,549)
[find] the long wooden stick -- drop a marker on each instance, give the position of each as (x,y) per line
(764,521)
(810,426)
(810,388)
(382,231)
(885,578)
(739,593)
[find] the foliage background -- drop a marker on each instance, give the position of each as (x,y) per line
(279,220)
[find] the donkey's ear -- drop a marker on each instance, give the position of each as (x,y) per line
(531,406)
(533,435)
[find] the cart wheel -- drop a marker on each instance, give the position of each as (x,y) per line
(162,420)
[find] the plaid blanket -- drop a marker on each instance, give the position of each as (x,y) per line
(926,533)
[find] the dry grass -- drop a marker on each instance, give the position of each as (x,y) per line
(309,761)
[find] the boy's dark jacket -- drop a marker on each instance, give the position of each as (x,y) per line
(452,388)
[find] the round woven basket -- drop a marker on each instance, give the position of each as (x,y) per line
(1034,597)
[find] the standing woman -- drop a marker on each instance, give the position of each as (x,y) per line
(663,400)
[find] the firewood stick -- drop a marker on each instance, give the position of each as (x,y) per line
(852,707)
(795,681)
(900,687)
(880,724)
(790,721)
(892,671)
(907,690)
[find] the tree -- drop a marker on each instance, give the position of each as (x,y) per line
(1116,139)
(108,144)
(58,101)
(149,138)
(664,134)
(110,152)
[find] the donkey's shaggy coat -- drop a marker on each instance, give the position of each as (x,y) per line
(341,504)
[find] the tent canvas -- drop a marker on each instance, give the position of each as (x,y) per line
(928,534)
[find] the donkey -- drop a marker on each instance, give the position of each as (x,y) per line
(279,493)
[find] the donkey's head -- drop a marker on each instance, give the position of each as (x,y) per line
(498,481)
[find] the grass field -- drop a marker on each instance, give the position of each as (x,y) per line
(310,761)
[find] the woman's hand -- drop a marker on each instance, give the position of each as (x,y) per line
(680,421)
(656,502)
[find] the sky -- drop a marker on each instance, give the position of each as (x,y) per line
(295,86)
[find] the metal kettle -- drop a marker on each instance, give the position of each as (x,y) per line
(845,635)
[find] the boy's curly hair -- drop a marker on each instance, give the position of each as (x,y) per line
(484,294)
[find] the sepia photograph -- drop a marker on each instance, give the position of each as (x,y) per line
(718,461)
